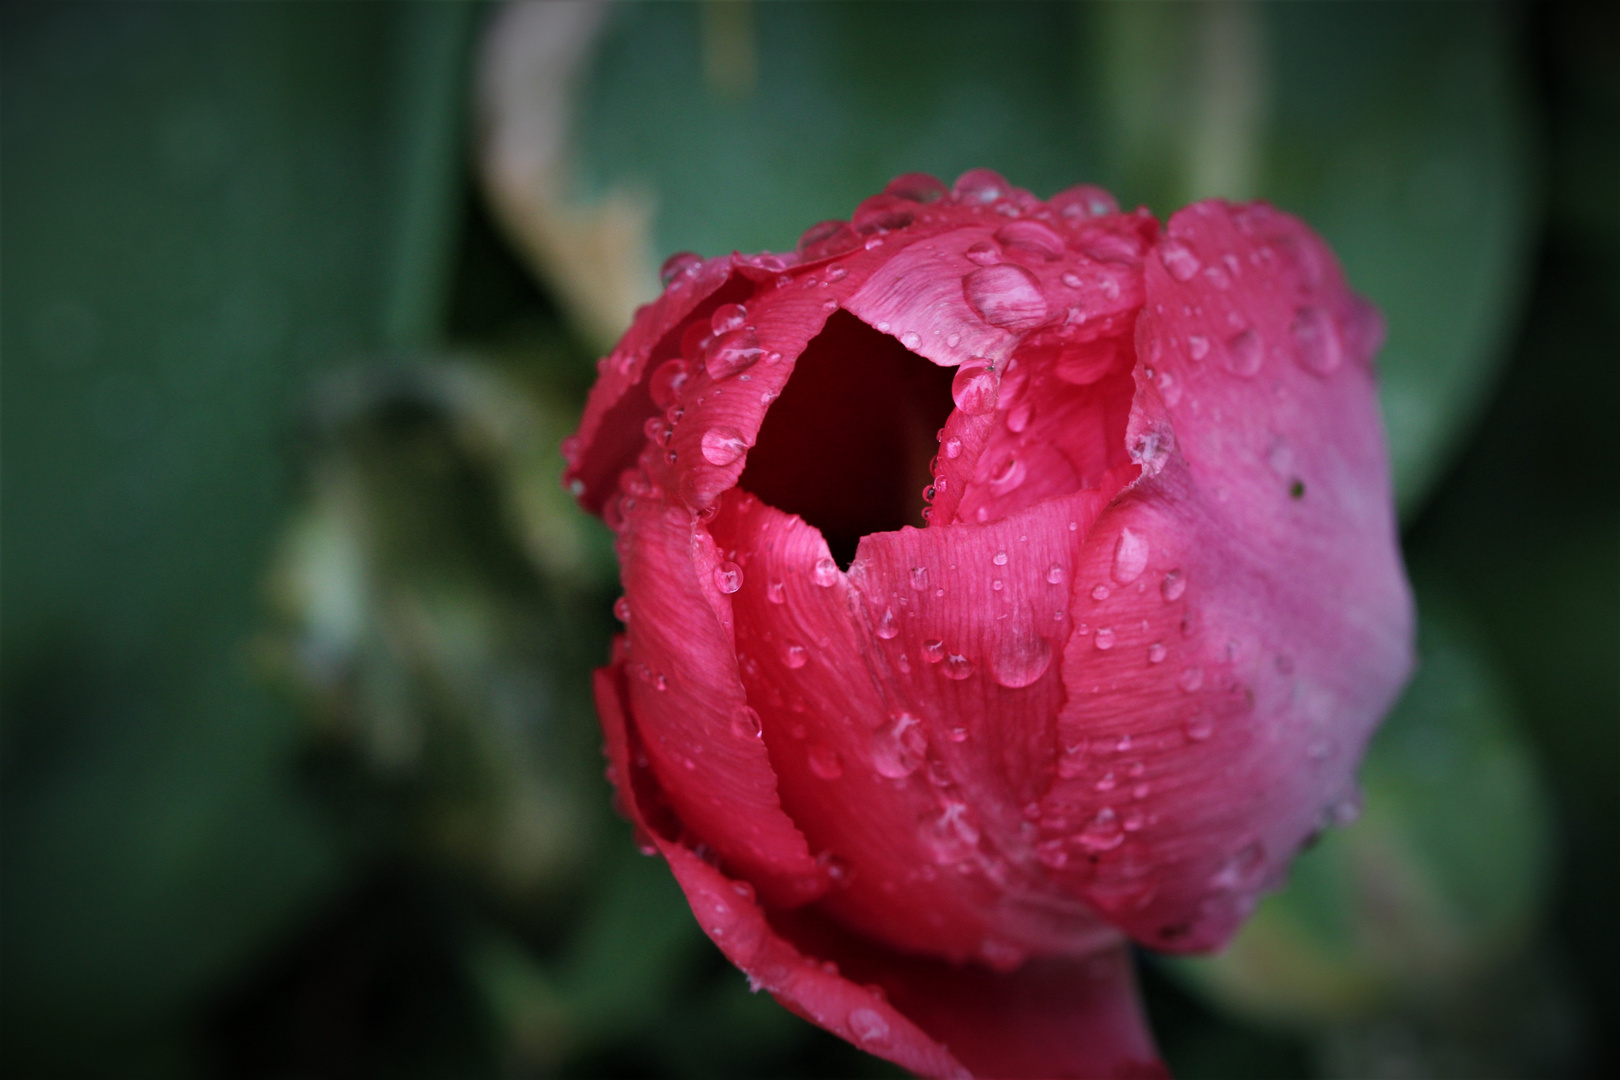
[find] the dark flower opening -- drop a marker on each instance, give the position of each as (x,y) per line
(847,445)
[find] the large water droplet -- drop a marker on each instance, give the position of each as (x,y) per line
(827,238)
(1021,657)
(1179,260)
(1102,832)
(731,353)
(1130,556)
(825,762)
(666,381)
(825,572)
(951,837)
(1008,477)
(1054,574)
(722,445)
(999,558)
(1316,340)
(728,577)
(984,253)
(1244,353)
(726,318)
(918,187)
(1031,236)
(795,655)
(980,186)
(682,262)
(888,627)
(898,747)
(933,651)
(1006,295)
(956,666)
(868,1027)
(975,387)
(1173,585)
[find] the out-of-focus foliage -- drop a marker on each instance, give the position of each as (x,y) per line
(258,331)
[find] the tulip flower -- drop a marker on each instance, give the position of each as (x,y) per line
(1005,581)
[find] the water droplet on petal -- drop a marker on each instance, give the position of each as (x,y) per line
(726,318)
(825,762)
(887,627)
(1105,638)
(868,1027)
(1054,574)
(984,253)
(776,592)
(999,558)
(910,339)
(1099,592)
(682,262)
(728,577)
(975,387)
(1197,346)
(1244,353)
(825,572)
(933,651)
(980,186)
(919,578)
(956,666)
(1316,340)
(1021,657)
(1130,556)
(1179,260)
(918,187)
(953,448)
(1006,295)
(1191,679)
(1157,652)
(731,353)
(1102,832)
(666,381)
(1018,418)
(722,445)
(621,609)
(1009,477)
(898,747)
(794,655)
(1173,585)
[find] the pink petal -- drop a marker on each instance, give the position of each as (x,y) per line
(1250,622)
(683,689)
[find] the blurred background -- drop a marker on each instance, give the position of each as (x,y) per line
(298,771)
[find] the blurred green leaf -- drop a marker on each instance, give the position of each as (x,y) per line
(200,202)
(1442,877)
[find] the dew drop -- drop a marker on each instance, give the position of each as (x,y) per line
(956,733)
(1006,295)
(776,592)
(868,1027)
(910,339)
(825,762)
(953,448)
(1105,638)
(682,262)
(1199,728)
(732,353)
(933,651)
(666,381)
(898,747)
(621,609)
(728,577)
(1173,585)
(919,578)
(1072,280)
(1102,833)
(999,558)
(1179,260)
(1197,346)
(825,572)
(1021,657)
(1316,340)
(1009,477)
(979,186)
(975,387)
(1099,592)
(1244,353)
(795,655)
(1018,418)
(727,317)
(887,628)
(722,445)
(1157,652)
(1130,556)
(1054,574)
(956,666)
(984,253)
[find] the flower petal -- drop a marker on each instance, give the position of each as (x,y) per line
(1250,622)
